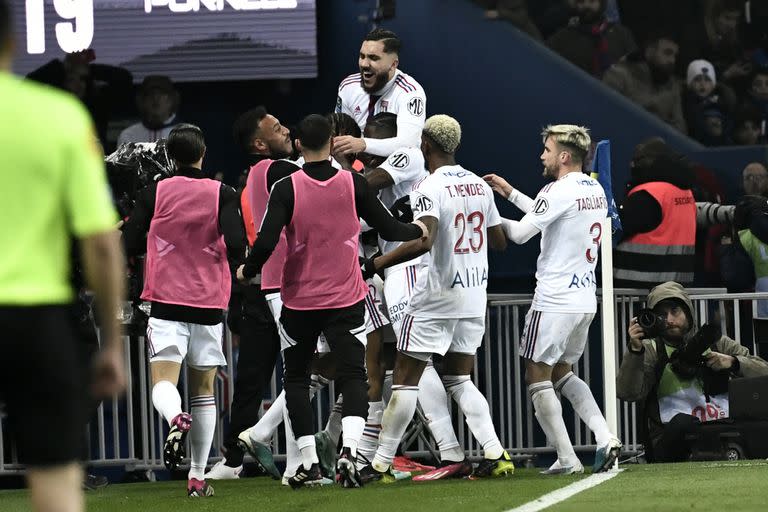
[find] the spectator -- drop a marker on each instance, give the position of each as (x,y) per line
(552,15)
(747,124)
(158,102)
(514,11)
(676,402)
(103,89)
(757,97)
(592,42)
(754,179)
(658,217)
(706,104)
(717,39)
(647,78)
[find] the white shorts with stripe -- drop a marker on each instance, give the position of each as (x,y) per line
(398,289)
(200,345)
(275,303)
(553,338)
(375,310)
(427,336)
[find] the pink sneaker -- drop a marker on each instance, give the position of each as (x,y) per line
(407,465)
(198,488)
(450,470)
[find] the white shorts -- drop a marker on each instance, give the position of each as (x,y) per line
(553,338)
(200,345)
(375,310)
(398,289)
(427,336)
(275,303)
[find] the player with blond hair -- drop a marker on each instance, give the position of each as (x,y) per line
(569,213)
(446,312)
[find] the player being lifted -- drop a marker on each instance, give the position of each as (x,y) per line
(568,212)
(446,313)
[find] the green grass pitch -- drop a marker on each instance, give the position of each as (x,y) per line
(734,487)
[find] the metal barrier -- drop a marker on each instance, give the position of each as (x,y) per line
(128,432)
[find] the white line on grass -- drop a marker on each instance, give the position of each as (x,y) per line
(564,493)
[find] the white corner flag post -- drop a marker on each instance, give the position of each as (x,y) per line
(608,311)
(608,328)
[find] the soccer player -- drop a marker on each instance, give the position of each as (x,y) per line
(395,177)
(268,145)
(192,229)
(322,286)
(54,190)
(446,313)
(381,87)
(568,212)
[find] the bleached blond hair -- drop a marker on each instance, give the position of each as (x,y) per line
(445,131)
(572,137)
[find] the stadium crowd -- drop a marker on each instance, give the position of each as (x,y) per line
(355,248)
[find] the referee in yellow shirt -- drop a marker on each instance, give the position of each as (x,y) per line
(54,190)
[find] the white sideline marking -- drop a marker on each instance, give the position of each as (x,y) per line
(564,493)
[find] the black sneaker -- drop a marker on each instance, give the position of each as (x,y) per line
(502,466)
(345,466)
(94,482)
(308,477)
(174,449)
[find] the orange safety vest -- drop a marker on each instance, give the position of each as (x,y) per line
(665,253)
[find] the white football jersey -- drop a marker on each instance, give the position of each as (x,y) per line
(406,167)
(402,96)
(569,212)
(455,284)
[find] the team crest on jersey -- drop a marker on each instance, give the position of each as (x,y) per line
(399,160)
(383,104)
(416,106)
(423,204)
(540,207)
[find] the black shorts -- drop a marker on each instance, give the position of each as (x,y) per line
(43,383)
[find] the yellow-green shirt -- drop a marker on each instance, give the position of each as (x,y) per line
(53,188)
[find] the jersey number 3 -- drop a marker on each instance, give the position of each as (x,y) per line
(474,240)
(595,231)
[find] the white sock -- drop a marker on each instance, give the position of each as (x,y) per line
(386,386)
(263,431)
(395,420)
(369,441)
(333,427)
(308,451)
(203,410)
(578,393)
(434,404)
(166,399)
(549,412)
(352,428)
(476,412)
(292,453)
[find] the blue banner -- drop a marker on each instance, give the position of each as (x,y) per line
(601,165)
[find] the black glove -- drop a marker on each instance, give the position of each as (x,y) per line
(401,210)
(746,209)
(367,267)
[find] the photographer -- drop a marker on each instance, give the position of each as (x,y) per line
(684,384)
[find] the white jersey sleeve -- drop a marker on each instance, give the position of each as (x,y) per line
(411,112)
(550,204)
(403,165)
(425,200)
(492,217)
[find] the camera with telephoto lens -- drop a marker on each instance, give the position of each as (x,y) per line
(688,359)
(130,170)
(652,323)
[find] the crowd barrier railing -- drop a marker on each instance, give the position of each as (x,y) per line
(127,431)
